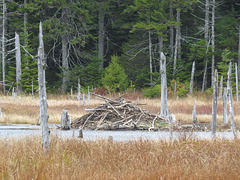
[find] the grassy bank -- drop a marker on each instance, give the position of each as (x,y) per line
(75,159)
(26,109)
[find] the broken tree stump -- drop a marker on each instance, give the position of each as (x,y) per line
(65,120)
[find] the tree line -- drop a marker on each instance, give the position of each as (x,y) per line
(118,44)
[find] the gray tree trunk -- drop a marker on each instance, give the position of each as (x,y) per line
(194,113)
(214,106)
(18,65)
(101,35)
(206,26)
(221,88)
(170,125)
(150,53)
(65,120)
(177,43)
(225,113)
(231,111)
(0,113)
(192,78)
(204,84)
(25,25)
(239,49)
(65,65)
(236,72)
(163,86)
(213,40)
(42,92)
(79,90)
(160,42)
(3,44)
(171,30)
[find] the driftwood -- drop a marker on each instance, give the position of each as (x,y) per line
(119,114)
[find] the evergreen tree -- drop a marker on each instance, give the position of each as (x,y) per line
(114,78)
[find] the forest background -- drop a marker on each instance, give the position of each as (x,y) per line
(116,44)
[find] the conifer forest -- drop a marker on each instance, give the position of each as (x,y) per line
(117,44)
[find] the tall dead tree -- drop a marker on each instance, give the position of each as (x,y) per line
(18,65)
(150,53)
(177,43)
(239,49)
(231,111)
(236,73)
(65,65)
(194,113)
(101,33)
(163,86)
(221,88)
(42,92)
(213,40)
(171,39)
(192,78)
(225,114)
(214,106)
(4,18)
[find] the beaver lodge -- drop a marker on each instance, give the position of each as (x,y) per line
(119,114)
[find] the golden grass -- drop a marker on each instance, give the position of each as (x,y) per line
(26,109)
(142,159)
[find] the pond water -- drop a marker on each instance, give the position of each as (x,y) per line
(22,131)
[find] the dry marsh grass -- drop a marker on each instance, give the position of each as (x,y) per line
(26,109)
(142,159)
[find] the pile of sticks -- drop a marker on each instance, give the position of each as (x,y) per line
(119,114)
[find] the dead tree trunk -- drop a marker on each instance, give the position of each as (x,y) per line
(65,120)
(213,40)
(150,53)
(192,77)
(65,65)
(221,88)
(231,111)
(204,84)
(177,43)
(214,106)
(101,34)
(3,45)
(163,86)
(79,91)
(42,92)
(236,72)
(18,65)
(194,113)
(225,114)
(239,49)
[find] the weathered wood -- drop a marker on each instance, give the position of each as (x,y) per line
(194,113)
(170,125)
(18,65)
(192,78)
(84,101)
(65,120)
(80,133)
(0,113)
(79,91)
(204,84)
(13,93)
(214,106)
(236,72)
(225,114)
(42,93)
(231,111)
(221,88)
(163,86)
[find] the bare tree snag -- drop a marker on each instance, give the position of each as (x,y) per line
(194,113)
(221,88)
(225,114)
(236,72)
(163,86)
(18,65)
(0,113)
(84,101)
(213,40)
(13,93)
(204,84)
(231,111)
(192,77)
(101,34)
(79,91)
(171,30)
(239,49)
(65,120)
(42,92)
(214,106)
(3,44)
(150,53)
(229,81)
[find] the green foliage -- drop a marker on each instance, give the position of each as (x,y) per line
(114,78)
(153,92)
(209,91)
(183,89)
